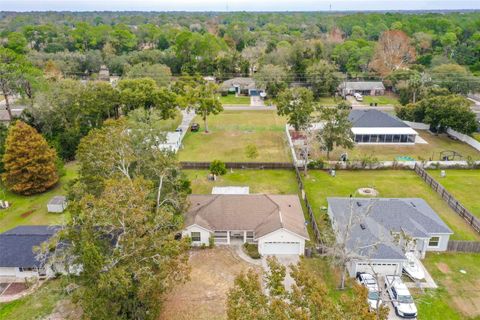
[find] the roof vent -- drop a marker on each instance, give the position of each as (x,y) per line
(289,205)
(363,226)
(413,204)
(359,204)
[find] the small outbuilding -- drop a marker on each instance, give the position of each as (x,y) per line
(57,204)
(231,190)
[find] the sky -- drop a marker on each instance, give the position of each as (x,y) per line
(234,5)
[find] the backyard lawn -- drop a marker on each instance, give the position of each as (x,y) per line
(389,183)
(436,144)
(328,101)
(477,136)
(464,185)
(232,99)
(458,295)
(380,100)
(259,181)
(32,210)
(230,132)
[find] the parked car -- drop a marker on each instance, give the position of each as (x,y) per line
(358,96)
(369,282)
(179,130)
(401,298)
(194,127)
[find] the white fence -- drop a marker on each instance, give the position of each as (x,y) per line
(463,137)
(297,162)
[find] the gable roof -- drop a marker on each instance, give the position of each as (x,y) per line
(362,85)
(381,216)
(261,213)
(374,119)
(242,82)
(16,245)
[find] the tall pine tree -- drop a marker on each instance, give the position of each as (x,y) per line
(29,161)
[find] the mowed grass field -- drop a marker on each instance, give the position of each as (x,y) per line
(458,294)
(430,151)
(380,100)
(390,184)
(232,99)
(32,210)
(230,132)
(259,181)
(463,185)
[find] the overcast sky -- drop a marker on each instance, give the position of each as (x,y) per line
(234,5)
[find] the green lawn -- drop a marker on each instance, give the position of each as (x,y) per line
(436,144)
(32,210)
(458,295)
(476,135)
(380,100)
(390,183)
(34,306)
(464,185)
(259,181)
(230,132)
(328,101)
(232,99)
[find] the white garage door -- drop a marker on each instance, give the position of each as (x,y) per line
(380,268)
(281,248)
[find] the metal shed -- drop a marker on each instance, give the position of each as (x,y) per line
(57,204)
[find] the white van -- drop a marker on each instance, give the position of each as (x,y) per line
(401,298)
(358,96)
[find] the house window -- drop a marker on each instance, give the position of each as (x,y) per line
(26,269)
(434,242)
(195,236)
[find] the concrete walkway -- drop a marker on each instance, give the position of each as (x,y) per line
(187,117)
(238,250)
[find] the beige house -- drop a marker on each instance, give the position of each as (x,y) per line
(274,222)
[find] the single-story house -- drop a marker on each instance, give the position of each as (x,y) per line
(241,85)
(57,204)
(365,88)
(231,190)
(379,224)
(376,127)
(274,222)
(18,261)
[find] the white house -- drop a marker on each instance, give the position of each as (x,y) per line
(173,141)
(57,204)
(365,88)
(376,127)
(18,261)
(274,222)
(241,85)
(380,224)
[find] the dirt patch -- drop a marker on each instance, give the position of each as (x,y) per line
(204,296)
(465,297)
(443,267)
(65,309)
(14,289)
(26,214)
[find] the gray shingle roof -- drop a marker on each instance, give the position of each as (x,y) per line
(58,200)
(362,85)
(380,217)
(374,119)
(16,245)
(242,82)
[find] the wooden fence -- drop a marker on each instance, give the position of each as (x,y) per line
(463,246)
(311,216)
(239,165)
(463,212)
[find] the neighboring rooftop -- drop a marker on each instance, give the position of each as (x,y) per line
(242,82)
(381,216)
(261,213)
(58,200)
(231,190)
(362,85)
(374,119)
(16,245)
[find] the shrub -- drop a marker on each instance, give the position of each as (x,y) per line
(251,151)
(252,250)
(211,242)
(316,164)
(218,168)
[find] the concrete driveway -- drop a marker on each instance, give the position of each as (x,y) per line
(286,260)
